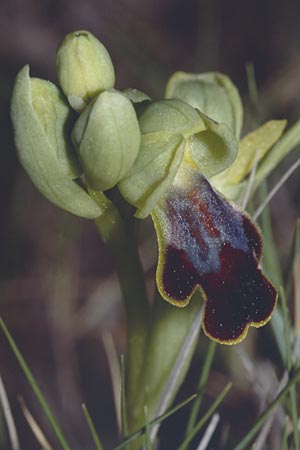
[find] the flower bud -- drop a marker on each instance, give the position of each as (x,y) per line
(107,139)
(212,93)
(84,68)
(41,119)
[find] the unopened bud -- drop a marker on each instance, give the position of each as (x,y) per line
(41,118)
(107,139)
(84,68)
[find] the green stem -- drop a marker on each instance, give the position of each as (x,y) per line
(119,238)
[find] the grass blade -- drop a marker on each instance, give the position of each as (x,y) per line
(274,190)
(35,428)
(209,432)
(123,400)
(289,366)
(201,385)
(159,419)
(206,417)
(148,443)
(39,395)
(92,428)
(115,372)
(11,427)
(260,421)
(294,251)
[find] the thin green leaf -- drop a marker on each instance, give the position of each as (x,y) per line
(295,249)
(278,185)
(92,428)
(209,432)
(271,259)
(35,387)
(159,419)
(272,267)
(123,400)
(206,417)
(287,329)
(148,443)
(284,443)
(261,419)
(289,365)
(201,385)
(11,426)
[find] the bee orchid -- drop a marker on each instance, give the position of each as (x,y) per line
(189,169)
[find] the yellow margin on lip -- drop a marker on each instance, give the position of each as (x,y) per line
(181,304)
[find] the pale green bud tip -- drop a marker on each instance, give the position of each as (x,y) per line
(107,138)
(40,117)
(84,68)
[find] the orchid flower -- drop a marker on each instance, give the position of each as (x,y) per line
(179,159)
(190,168)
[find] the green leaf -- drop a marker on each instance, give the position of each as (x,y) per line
(39,116)
(212,93)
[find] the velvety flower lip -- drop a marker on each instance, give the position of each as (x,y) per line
(207,242)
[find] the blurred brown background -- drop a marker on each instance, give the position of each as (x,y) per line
(58,290)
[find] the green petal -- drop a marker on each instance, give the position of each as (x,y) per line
(39,127)
(211,92)
(172,116)
(253,147)
(153,171)
(214,149)
(288,142)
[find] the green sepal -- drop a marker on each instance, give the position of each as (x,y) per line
(153,172)
(107,139)
(173,116)
(84,68)
(214,149)
(211,92)
(40,118)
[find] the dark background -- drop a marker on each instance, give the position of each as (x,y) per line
(57,285)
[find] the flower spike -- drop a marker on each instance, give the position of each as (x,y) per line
(206,242)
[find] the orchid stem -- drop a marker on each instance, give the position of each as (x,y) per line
(119,238)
